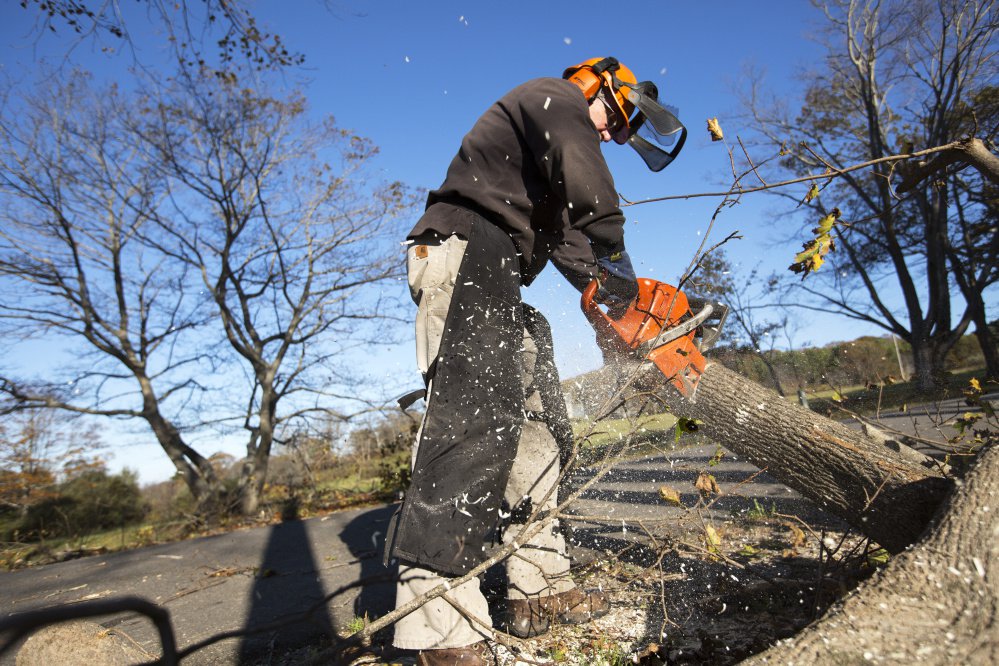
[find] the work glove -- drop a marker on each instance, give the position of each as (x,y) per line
(617,284)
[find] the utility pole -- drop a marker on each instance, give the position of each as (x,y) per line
(901,369)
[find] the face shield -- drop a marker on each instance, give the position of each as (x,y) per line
(655,128)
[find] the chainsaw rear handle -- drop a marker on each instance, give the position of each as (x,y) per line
(658,306)
(658,326)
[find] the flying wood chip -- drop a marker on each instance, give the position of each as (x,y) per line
(715,129)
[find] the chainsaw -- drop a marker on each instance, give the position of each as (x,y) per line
(660,326)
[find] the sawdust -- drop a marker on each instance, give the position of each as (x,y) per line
(675,605)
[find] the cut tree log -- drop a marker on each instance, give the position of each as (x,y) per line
(886,494)
(937,603)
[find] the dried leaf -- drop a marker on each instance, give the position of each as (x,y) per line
(707,484)
(711,539)
(649,655)
(670,496)
(797,535)
(715,129)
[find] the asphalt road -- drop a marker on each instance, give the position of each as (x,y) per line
(210,585)
(253,577)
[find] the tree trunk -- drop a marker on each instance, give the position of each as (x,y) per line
(934,604)
(258,452)
(193,468)
(251,477)
(773,375)
(976,305)
(888,495)
(989,351)
(922,361)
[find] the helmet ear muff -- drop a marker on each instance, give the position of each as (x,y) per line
(587,81)
(592,74)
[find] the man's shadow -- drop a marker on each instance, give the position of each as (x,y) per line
(365,537)
(287,584)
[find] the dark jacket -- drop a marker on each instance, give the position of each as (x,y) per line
(532,165)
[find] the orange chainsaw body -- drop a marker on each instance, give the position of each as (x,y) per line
(658,306)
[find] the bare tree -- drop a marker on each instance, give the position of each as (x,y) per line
(284,245)
(204,246)
(222,30)
(896,75)
(76,192)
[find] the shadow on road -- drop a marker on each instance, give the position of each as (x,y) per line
(365,537)
(287,584)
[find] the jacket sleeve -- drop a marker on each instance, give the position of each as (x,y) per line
(573,258)
(566,147)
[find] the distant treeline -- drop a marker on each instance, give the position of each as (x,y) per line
(866,360)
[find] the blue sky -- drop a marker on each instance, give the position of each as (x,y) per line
(414,76)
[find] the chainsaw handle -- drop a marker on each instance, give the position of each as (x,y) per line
(587,302)
(608,337)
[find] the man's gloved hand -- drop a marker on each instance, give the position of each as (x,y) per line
(618,285)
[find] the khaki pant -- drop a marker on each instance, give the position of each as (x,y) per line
(540,567)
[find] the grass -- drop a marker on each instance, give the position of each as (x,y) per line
(891,397)
(612,431)
(356,624)
(15,555)
(761,513)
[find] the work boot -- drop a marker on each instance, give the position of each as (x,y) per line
(576,606)
(476,654)
(526,618)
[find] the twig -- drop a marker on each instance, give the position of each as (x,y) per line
(750,160)
(803,179)
(870,500)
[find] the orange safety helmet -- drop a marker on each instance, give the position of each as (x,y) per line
(593,74)
(649,126)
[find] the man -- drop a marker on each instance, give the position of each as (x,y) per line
(529,183)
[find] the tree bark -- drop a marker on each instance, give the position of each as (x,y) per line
(988,345)
(888,495)
(934,604)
